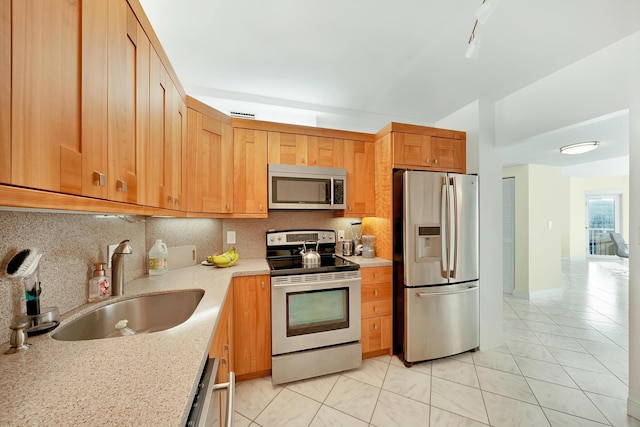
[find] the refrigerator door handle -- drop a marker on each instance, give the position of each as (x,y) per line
(457,291)
(444,233)
(454,228)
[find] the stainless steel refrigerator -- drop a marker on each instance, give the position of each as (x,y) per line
(436,243)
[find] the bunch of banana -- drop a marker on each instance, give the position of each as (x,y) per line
(226,259)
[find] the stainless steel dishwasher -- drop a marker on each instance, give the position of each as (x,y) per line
(206,411)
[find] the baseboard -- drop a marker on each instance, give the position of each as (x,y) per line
(633,409)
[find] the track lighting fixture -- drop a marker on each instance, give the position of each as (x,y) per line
(482,15)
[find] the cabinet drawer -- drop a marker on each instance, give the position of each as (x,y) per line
(377,308)
(376,334)
(376,291)
(376,275)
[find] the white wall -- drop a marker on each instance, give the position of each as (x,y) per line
(483,158)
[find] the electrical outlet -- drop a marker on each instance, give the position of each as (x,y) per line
(110,250)
(231,237)
(340,235)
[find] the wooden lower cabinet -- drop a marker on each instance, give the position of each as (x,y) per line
(252,326)
(377,311)
(222,344)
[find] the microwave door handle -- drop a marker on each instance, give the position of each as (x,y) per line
(332,195)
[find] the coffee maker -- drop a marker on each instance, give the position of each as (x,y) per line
(368,249)
(356,235)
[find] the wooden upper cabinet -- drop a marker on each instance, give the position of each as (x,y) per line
(45,95)
(5,91)
(359,161)
(287,148)
(209,164)
(128,73)
(327,152)
(448,154)
(411,150)
(176,135)
(430,152)
(250,172)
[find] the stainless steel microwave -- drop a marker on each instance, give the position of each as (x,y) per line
(307,187)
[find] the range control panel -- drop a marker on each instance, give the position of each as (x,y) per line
(298,237)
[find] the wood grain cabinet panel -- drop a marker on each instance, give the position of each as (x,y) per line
(411,150)
(449,154)
(45,95)
(210,164)
(359,161)
(327,152)
(287,148)
(252,326)
(5,91)
(377,311)
(250,172)
(429,152)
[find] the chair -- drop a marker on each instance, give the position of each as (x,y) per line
(622,249)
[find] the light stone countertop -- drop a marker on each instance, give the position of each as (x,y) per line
(140,380)
(369,262)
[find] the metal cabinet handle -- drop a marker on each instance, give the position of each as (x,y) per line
(435,161)
(260,207)
(262,284)
(375,292)
(375,309)
(99,179)
(375,326)
(375,275)
(230,404)
(169,199)
(228,206)
(121,185)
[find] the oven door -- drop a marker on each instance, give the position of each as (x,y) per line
(308,312)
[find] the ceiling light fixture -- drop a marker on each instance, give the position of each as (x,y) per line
(582,147)
(482,15)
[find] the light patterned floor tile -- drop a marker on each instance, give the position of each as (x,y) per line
(531,351)
(544,371)
(253,396)
(496,360)
(289,409)
(241,421)
(585,334)
(459,399)
(372,372)
(440,417)
(505,412)
(549,328)
(315,388)
(515,334)
(456,371)
(394,410)
(329,417)
(576,359)
(565,399)
(614,409)
(354,398)
(609,349)
(408,383)
(505,384)
(557,341)
(606,384)
(560,419)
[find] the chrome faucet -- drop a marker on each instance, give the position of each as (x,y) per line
(117,267)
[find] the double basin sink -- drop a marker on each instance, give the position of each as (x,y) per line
(142,314)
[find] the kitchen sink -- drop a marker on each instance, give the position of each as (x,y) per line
(142,314)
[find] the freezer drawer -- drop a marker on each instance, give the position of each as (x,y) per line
(440,321)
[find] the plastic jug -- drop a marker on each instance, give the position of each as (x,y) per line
(158,258)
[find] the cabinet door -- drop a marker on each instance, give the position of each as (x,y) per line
(126,74)
(222,343)
(176,118)
(252,325)
(327,152)
(45,95)
(209,164)
(5,91)
(359,161)
(250,171)
(94,99)
(154,151)
(448,154)
(287,148)
(376,334)
(411,150)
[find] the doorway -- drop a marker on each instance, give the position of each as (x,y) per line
(602,217)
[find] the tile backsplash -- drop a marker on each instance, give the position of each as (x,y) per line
(71,243)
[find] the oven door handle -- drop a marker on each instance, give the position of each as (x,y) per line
(230,404)
(332,284)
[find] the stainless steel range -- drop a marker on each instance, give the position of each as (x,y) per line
(315,307)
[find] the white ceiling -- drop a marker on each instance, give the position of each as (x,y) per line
(359,64)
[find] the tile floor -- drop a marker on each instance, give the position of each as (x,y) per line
(564,363)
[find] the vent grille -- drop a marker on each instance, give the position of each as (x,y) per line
(315,278)
(242,115)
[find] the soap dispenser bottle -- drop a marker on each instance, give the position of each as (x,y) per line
(99,286)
